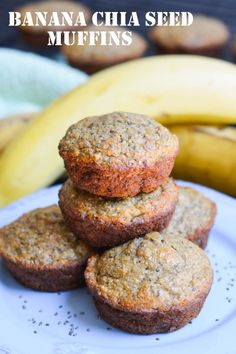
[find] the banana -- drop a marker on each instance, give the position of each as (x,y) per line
(207,156)
(172,89)
(11,126)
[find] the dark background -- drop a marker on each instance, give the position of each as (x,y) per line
(223,9)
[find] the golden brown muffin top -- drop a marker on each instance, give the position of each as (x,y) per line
(193,212)
(99,53)
(49,7)
(149,273)
(130,210)
(42,238)
(203,33)
(118,139)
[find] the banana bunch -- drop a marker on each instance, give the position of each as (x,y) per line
(173,89)
(207,156)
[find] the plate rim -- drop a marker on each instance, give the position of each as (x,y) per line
(188,344)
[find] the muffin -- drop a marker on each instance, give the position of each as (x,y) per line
(38,35)
(234,47)
(118,154)
(151,284)
(206,36)
(91,58)
(193,217)
(109,222)
(42,253)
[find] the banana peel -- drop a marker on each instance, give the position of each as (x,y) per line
(207,156)
(173,89)
(11,126)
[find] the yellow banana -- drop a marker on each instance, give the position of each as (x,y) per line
(11,126)
(207,156)
(172,89)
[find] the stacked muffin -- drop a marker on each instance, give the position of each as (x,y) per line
(119,196)
(118,192)
(119,187)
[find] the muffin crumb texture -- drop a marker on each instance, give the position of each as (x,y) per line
(139,208)
(108,222)
(119,138)
(41,237)
(150,273)
(193,217)
(118,154)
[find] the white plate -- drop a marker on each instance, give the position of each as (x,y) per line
(32,322)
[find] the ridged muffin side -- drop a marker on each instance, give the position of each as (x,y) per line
(119,154)
(109,222)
